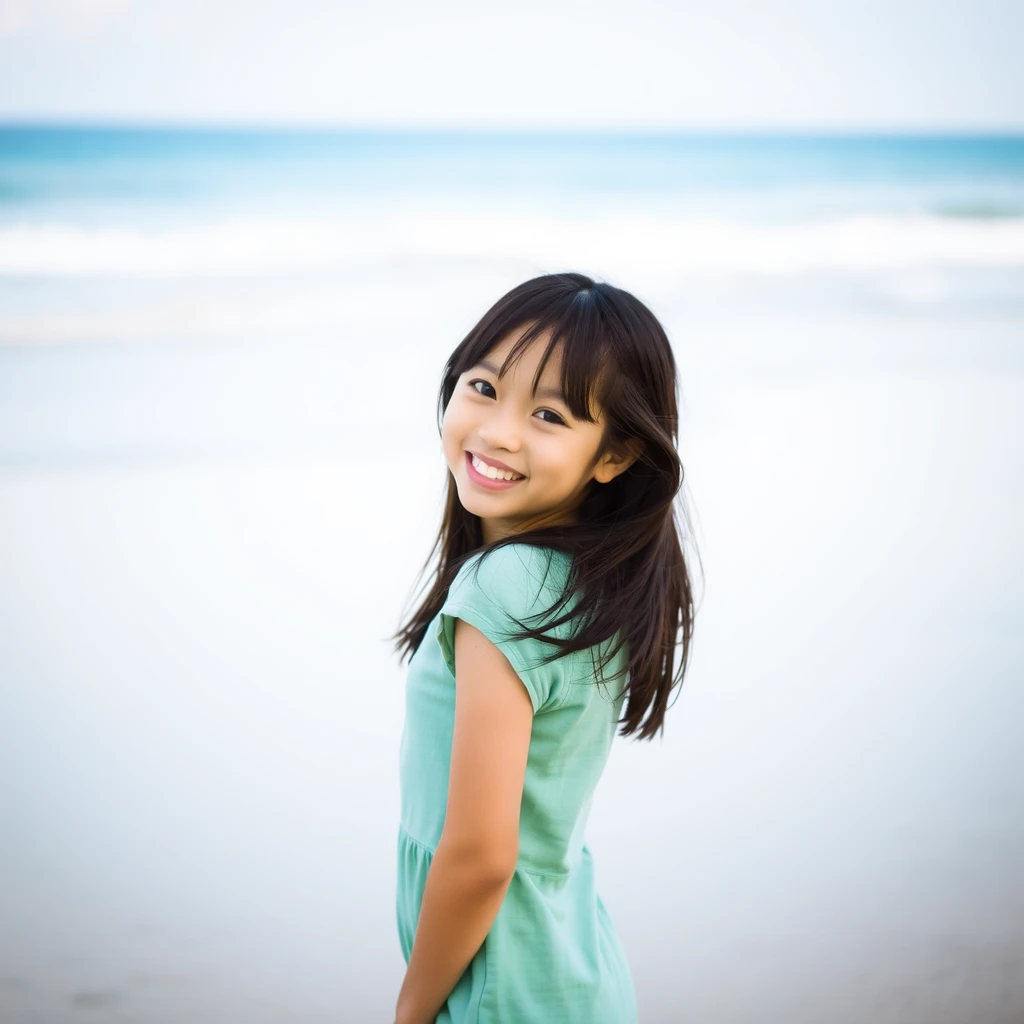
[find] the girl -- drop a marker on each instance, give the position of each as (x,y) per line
(560,570)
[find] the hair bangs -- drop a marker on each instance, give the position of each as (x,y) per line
(576,330)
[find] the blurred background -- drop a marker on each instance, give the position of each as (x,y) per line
(237,245)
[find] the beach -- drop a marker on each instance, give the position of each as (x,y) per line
(220,475)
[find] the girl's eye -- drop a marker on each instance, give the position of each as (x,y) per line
(557,420)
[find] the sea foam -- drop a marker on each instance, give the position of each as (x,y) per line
(683,245)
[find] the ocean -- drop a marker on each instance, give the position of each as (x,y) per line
(220,474)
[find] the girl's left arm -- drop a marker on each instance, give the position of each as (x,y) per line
(460,902)
(476,855)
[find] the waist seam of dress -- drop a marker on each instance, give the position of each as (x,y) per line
(519,867)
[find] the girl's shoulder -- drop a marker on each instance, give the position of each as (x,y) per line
(515,576)
(500,591)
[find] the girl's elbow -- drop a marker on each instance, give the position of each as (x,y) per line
(487,862)
(501,866)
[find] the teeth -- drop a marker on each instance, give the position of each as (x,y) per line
(490,471)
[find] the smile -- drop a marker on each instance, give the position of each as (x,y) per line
(480,475)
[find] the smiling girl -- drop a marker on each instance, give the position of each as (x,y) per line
(562,596)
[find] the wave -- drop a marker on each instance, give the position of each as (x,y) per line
(256,246)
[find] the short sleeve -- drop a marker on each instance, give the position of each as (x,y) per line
(490,592)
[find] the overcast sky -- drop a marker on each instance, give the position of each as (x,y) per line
(708,63)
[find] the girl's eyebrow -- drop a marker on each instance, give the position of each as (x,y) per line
(555,393)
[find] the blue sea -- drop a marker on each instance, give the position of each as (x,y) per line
(291,238)
(150,176)
(220,475)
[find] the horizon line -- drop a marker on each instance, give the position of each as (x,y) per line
(469,128)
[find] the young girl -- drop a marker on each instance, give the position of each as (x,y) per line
(561,571)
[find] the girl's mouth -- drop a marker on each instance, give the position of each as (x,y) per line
(485,481)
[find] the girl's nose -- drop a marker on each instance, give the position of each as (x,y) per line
(499,433)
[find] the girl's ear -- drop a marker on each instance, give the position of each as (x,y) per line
(614,463)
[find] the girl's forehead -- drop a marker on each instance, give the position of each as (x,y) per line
(529,356)
(524,369)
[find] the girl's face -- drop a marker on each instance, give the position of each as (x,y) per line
(551,452)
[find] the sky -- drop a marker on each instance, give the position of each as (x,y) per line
(886,64)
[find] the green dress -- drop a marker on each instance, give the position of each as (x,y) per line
(552,955)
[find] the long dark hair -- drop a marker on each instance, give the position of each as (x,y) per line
(627,573)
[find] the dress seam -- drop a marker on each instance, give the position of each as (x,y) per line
(413,839)
(543,874)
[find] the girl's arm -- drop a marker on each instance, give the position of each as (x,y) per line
(476,855)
